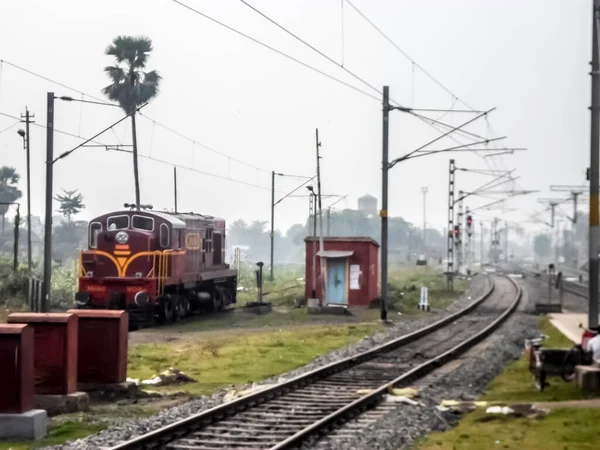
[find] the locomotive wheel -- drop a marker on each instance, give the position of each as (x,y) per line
(166,310)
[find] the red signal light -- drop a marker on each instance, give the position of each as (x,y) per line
(469,220)
(456,230)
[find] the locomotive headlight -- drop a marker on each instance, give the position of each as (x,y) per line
(122,237)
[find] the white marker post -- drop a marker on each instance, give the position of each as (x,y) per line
(424,301)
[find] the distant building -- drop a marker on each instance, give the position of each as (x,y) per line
(368,204)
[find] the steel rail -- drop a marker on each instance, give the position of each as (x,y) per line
(159,438)
(359,405)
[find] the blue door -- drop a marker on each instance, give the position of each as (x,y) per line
(336,281)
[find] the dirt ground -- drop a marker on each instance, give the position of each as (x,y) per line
(235,319)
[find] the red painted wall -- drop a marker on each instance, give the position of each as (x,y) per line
(366,255)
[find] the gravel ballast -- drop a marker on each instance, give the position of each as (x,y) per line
(400,428)
(132,428)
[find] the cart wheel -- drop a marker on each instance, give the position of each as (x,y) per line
(571,360)
(539,380)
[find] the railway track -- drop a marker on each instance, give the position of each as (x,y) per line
(301,410)
(572,287)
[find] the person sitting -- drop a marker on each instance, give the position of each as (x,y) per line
(593,346)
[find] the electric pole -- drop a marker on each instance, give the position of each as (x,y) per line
(27,138)
(16,240)
(175,187)
(48,214)
(321,249)
(424,190)
(329,221)
(272,235)
(384,203)
(594,174)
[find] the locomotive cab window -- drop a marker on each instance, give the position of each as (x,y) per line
(117,223)
(142,223)
(95,229)
(165,238)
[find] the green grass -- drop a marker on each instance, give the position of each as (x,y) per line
(515,382)
(69,427)
(233,358)
(283,291)
(408,281)
(56,435)
(562,429)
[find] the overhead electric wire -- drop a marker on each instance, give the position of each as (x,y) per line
(111,148)
(31,72)
(308,66)
(9,127)
(416,64)
(397,47)
(178,133)
(423,118)
(362,80)
(191,169)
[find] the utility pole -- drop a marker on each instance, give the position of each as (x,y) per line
(27,138)
(175,187)
(424,190)
(321,246)
(594,174)
(329,221)
(48,215)
(384,203)
(272,235)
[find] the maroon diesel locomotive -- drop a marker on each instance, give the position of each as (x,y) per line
(156,265)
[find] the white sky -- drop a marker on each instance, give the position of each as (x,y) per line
(527,58)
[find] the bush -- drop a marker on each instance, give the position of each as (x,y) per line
(62,286)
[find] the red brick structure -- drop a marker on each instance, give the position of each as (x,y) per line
(16,368)
(102,345)
(351,268)
(55,351)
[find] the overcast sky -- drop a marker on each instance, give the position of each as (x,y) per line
(529,59)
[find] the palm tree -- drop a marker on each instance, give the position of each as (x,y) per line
(9,192)
(131,86)
(71,203)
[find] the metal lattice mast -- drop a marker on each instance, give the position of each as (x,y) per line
(459,242)
(450,231)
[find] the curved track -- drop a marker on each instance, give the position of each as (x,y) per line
(299,410)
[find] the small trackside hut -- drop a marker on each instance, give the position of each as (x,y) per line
(351,267)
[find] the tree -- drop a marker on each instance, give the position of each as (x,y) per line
(542,245)
(9,192)
(71,203)
(131,86)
